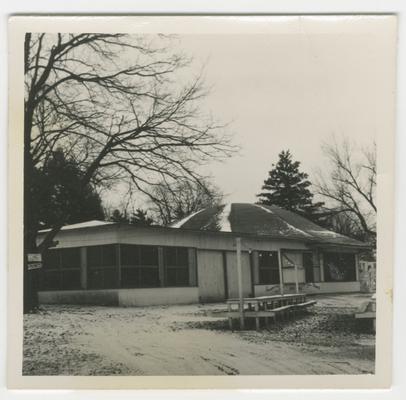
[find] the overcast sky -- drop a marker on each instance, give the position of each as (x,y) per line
(287,92)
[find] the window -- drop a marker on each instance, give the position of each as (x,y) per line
(339,267)
(268,265)
(139,266)
(102,267)
(61,269)
(176,264)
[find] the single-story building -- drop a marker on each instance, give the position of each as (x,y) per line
(194,260)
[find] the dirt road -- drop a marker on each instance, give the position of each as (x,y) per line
(183,340)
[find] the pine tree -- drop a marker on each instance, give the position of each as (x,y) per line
(60,195)
(139,217)
(288,187)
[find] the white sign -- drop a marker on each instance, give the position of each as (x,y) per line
(34,258)
(32,266)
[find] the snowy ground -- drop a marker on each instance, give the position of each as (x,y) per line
(183,340)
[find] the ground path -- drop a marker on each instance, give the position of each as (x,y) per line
(183,340)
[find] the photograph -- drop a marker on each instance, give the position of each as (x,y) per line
(201,199)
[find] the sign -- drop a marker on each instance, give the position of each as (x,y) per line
(32,266)
(34,261)
(34,258)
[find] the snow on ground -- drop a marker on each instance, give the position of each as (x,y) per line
(184,340)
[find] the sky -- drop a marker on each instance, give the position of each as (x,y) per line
(286,92)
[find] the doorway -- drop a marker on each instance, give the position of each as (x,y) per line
(308,267)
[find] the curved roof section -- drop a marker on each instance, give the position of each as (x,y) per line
(262,220)
(80,225)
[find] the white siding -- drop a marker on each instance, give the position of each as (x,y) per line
(210,276)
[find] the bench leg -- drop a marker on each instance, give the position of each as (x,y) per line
(230,320)
(257,318)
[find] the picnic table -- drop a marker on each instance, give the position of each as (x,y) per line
(266,307)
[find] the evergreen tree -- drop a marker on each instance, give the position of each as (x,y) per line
(60,195)
(118,216)
(288,187)
(139,217)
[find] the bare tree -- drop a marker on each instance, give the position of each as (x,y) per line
(122,107)
(174,201)
(113,102)
(351,186)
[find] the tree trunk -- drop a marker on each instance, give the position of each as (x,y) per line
(30,277)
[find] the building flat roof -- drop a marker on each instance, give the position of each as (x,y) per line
(80,225)
(248,220)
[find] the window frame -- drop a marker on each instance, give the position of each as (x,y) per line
(327,274)
(62,269)
(268,268)
(175,269)
(140,267)
(102,268)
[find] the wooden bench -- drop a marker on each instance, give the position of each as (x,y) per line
(303,306)
(248,314)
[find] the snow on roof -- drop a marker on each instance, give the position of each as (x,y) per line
(287,223)
(262,220)
(87,224)
(180,223)
(224,219)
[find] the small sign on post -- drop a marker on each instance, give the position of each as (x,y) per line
(34,261)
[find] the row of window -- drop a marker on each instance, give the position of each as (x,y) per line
(338,267)
(140,267)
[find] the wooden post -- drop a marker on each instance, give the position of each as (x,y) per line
(357,267)
(280,271)
(321,259)
(239,273)
(296,279)
(161,268)
(118,264)
(83,267)
(257,318)
(230,320)
(192,267)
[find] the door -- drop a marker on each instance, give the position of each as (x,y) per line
(232,275)
(308,266)
(210,276)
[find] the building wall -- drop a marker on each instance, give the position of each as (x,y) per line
(122,297)
(158,296)
(211,276)
(106,297)
(232,274)
(213,264)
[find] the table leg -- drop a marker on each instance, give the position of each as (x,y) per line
(230,320)
(257,318)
